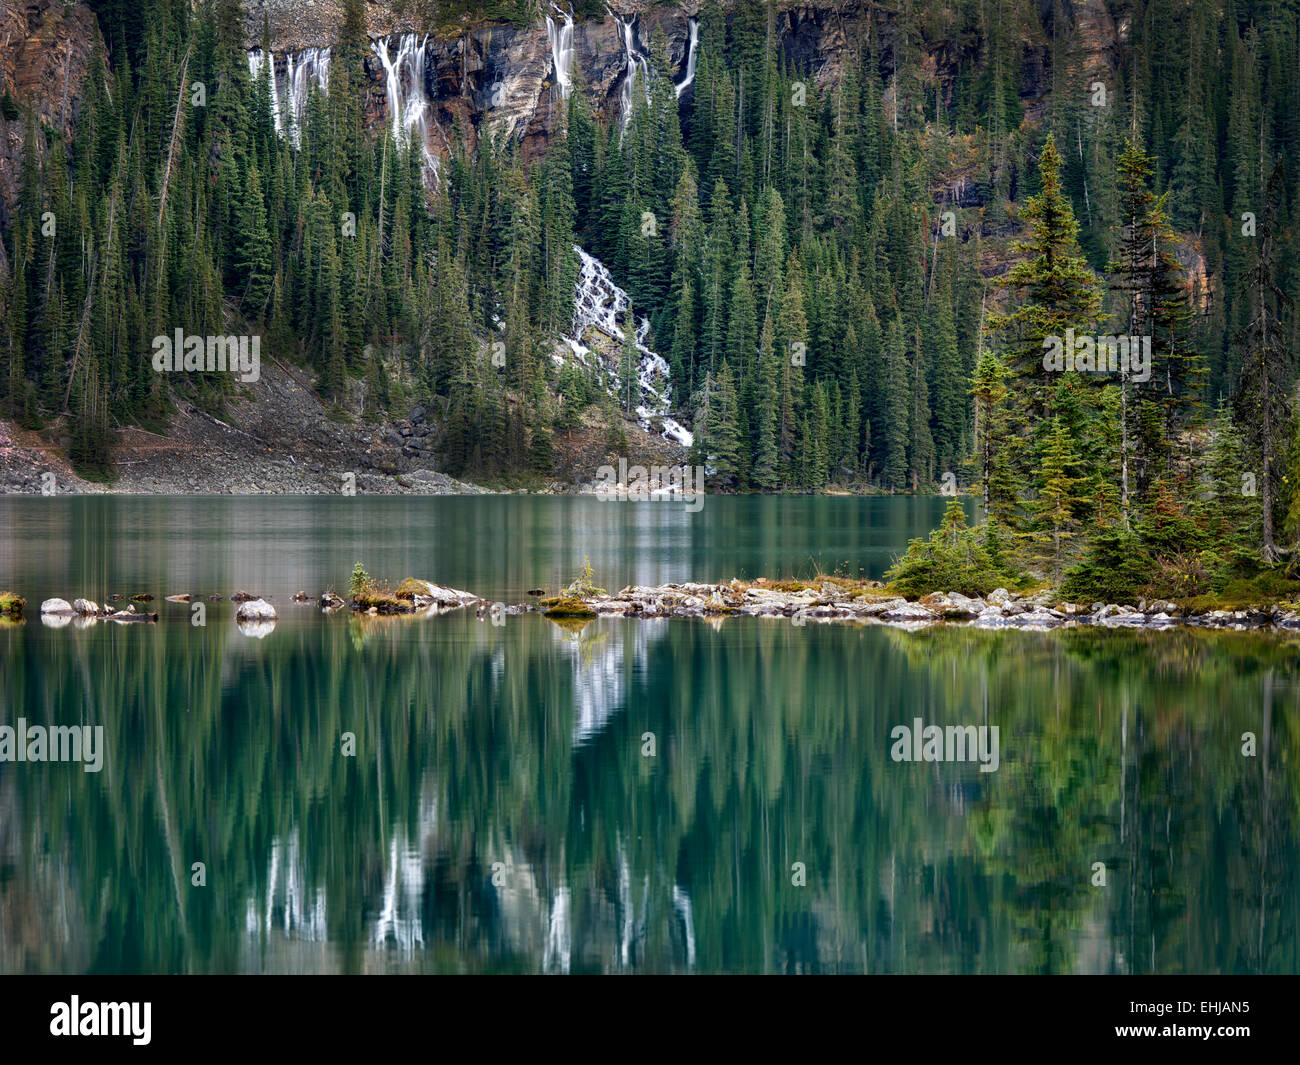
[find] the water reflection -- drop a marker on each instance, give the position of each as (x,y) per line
(444,794)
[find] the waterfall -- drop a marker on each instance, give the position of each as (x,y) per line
(691,58)
(561,40)
(598,303)
(303,70)
(636,61)
(408,99)
(255,61)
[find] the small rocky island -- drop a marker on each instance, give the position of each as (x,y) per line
(822,599)
(837,599)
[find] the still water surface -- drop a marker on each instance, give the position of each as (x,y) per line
(635,796)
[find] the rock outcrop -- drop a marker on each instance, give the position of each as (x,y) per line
(255,610)
(45,48)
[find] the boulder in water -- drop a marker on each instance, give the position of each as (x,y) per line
(255,610)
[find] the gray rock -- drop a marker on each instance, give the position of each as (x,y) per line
(85,607)
(57,606)
(1037,618)
(436,595)
(879,607)
(256,610)
(906,611)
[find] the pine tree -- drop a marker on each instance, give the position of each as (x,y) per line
(765,474)
(1053,511)
(1263,402)
(721,436)
(629,357)
(1057,291)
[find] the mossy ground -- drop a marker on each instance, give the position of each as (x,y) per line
(566,606)
(11,604)
(376,595)
(410,588)
(1264,590)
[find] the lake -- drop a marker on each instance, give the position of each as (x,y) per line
(352,794)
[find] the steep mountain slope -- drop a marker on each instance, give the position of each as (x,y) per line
(831,145)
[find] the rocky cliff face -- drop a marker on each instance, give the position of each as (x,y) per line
(44,49)
(505,80)
(499,79)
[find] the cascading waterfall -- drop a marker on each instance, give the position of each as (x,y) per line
(312,68)
(408,99)
(600,304)
(256,58)
(560,36)
(255,72)
(303,70)
(688,78)
(636,62)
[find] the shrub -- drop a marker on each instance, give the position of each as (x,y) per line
(584,586)
(956,558)
(1115,569)
(359,580)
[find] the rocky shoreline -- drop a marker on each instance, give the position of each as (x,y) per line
(824,601)
(870,603)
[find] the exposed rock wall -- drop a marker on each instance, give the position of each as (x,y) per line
(44,50)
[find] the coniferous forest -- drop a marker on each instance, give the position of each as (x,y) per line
(852,277)
(717,486)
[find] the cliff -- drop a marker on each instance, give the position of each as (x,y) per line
(44,51)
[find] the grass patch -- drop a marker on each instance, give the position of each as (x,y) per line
(11,604)
(1264,590)
(368,593)
(850,585)
(566,606)
(382,600)
(410,588)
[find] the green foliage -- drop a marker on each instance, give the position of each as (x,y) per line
(956,558)
(823,323)
(1115,569)
(584,585)
(359,581)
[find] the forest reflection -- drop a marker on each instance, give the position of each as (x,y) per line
(449,795)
